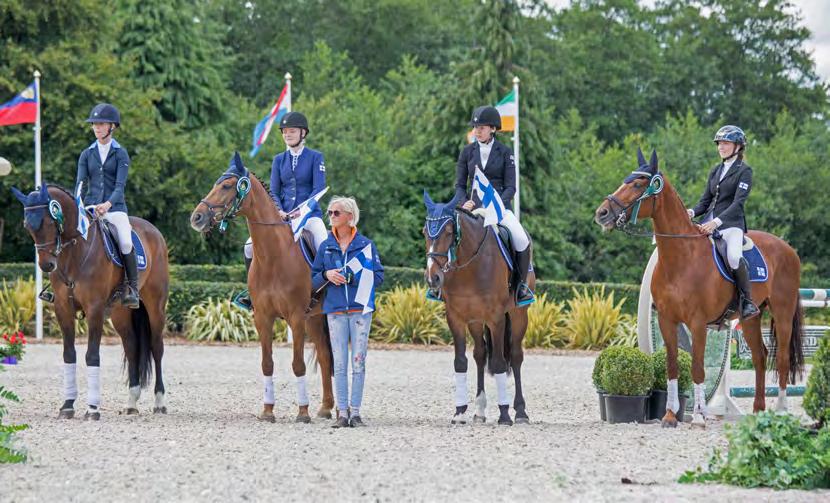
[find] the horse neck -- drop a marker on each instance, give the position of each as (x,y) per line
(670,217)
(259,207)
(472,233)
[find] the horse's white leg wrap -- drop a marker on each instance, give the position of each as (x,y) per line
(268,390)
(501,388)
(160,401)
(781,406)
(673,400)
(302,393)
(70,382)
(699,413)
(133,396)
(481,404)
(460,389)
(93,383)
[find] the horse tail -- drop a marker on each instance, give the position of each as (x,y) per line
(141,335)
(796,348)
(488,353)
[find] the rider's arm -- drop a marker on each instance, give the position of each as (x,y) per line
(461,176)
(706,198)
(741,193)
(123,160)
(83,173)
(318,175)
(509,178)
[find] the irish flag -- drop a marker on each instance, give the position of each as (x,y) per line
(508,109)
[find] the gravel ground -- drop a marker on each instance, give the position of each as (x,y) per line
(211,448)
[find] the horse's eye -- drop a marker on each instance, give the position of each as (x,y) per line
(227,186)
(637,185)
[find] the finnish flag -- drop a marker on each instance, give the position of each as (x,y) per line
(83,218)
(490,199)
(303,213)
(362,266)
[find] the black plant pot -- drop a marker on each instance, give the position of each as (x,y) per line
(657,405)
(626,409)
(602,414)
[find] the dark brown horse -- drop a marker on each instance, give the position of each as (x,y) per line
(687,287)
(464,262)
(85,280)
(279,280)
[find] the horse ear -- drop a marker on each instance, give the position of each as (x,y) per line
(454,201)
(44,191)
(428,202)
(653,162)
(237,165)
(19,195)
(641,159)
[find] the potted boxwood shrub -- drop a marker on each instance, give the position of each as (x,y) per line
(817,395)
(659,395)
(626,376)
(597,374)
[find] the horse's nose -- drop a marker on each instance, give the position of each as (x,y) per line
(435,280)
(47,265)
(197,220)
(601,215)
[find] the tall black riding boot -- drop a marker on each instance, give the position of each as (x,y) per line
(130,297)
(243,298)
(524,295)
(748,308)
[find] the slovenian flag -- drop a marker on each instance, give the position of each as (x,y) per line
(362,266)
(22,109)
(490,199)
(281,107)
(303,212)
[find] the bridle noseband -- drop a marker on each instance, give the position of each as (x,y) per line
(618,209)
(232,207)
(56,214)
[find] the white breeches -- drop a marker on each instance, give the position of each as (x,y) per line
(734,238)
(314,224)
(122,225)
(517,233)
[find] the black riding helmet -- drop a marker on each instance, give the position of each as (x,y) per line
(104,112)
(294,119)
(486,116)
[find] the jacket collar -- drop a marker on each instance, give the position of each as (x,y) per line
(113,144)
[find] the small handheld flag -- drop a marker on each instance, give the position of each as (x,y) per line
(83,219)
(303,213)
(362,266)
(490,199)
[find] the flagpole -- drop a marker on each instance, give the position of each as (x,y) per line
(516,145)
(288,83)
(38,181)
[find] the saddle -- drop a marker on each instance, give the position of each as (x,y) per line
(111,245)
(307,246)
(757,266)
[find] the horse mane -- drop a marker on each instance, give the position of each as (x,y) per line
(60,188)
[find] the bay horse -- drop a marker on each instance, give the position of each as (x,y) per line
(464,262)
(687,287)
(279,280)
(86,280)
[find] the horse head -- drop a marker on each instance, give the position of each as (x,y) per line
(441,238)
(624,204)
(44,217)
(225,198)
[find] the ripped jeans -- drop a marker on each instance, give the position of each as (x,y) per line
(344,329)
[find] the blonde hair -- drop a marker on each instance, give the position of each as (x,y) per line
(349,205)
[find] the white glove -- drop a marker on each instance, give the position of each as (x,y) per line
(691,213)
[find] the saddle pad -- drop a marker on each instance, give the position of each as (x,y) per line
(115,254)
(306,247)
(504,248)
(757,264)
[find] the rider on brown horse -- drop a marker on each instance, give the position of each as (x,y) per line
(722,205)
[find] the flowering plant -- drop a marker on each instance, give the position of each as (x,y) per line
(14,345)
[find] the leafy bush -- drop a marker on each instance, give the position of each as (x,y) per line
(405,315)
(51,327)
(684,368)
(627,371)
(9,453)
(545,322)
(186,294)
(17,305)
(594,320)
(599,363)
(219,321)
(563,291)
(817,395)
(769,450)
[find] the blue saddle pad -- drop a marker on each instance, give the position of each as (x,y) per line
(503,248)
(757,265)
(115,256)
(308,255)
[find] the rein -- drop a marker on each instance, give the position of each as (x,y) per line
(452,252)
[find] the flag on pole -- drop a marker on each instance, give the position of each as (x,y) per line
(303,212)
(280,108)
(490,199)
(362,266)
(22,109)
(83,219)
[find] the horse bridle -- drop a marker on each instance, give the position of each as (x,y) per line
(452,252)
(56,214)
(232,207)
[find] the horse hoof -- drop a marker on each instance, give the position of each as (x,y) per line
(698,421)
(159,410)
(302,419)
(66,414)
(92,416)
(324,414)
(131,411)
(479,419)
(522,420)
(267,417)
(669,423)
(459,419)
(505,421)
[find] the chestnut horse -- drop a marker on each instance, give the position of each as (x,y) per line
(86,280)
(279,280)
(464,262)
(687,287)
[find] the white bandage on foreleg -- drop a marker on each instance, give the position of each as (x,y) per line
(132,397)
(302,393)
(460,389)
(781,405)
(501,388)
(70,381)
(481,404)
(93,384)
(672,400)
(268,390)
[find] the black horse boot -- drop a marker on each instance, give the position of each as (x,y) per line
(748,308)
(130,297)
(243,298)
(524,295)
